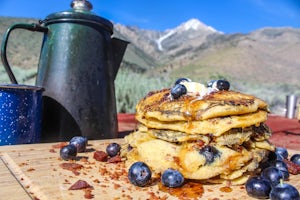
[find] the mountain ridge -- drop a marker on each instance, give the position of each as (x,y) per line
(243,56)
(193,47)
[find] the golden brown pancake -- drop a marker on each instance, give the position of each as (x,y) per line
(215,126)
(235,136)
(160,106)
(187,157)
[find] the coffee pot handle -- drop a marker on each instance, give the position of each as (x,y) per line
(30,27)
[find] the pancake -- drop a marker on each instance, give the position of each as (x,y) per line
(236,136)
(215,126)
(191,160)
(160,106)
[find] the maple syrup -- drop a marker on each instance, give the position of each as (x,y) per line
(190,190)
(226,189)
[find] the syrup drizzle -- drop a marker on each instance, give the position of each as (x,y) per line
(190,190)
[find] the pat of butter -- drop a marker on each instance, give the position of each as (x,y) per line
(194,88)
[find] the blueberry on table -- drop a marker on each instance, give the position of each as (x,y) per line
(273,175)
(79,142)
(258,187)
(270,161)
(139,174)
(210,153)
(282,166)
(180,80)
(296,159)
(282,152)
(284,191)
(279,156)
(68,152)
(113,149)
(172,178)
(178,90)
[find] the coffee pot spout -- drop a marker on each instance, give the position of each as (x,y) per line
(118,47)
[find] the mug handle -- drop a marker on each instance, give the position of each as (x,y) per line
(30,27)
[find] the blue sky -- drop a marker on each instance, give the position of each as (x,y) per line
(228,16)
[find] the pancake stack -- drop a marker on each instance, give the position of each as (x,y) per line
(206,132)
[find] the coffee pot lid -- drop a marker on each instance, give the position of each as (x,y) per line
(80,12)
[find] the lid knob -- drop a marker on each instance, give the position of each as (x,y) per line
(81,5)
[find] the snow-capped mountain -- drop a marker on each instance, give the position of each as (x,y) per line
(193,28)
(194,24)
(170,42)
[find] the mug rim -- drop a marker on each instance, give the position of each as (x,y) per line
(21,87)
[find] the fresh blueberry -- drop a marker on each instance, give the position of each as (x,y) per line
(284,191)
(258,187)
(282,151)
(273,175)
(296,159)
(285,174)
(113,149)
(180,80)
(210,153)
(172,178)
(223,85)
(283,168)
(273,156)
(139,174)
(279,156)
(68,152)
(80,143)
(178,90)
(270,161)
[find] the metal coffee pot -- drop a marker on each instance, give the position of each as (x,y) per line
(78,64)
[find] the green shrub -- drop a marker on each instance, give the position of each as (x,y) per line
(23,76)
(131,87)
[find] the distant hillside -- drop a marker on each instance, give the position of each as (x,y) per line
(23,46)
(265,55)
(265,62)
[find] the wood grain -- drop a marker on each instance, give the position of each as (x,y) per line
(9,186)
(36,168)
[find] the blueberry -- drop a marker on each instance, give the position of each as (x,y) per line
(222,85)
(139,174)
(272,157)
(296,159)
(279,156)
(178,90)
(273,175)
(80,143)
(258,187)
(284,191)
(172,178)
(282,151)
(180,80)
(113,149)
(285,174)
(210,153)
(270,161)
(68,152)
(283,168)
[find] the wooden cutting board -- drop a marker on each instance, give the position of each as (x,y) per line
(36,169)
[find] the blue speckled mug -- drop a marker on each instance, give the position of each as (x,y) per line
(20,114)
